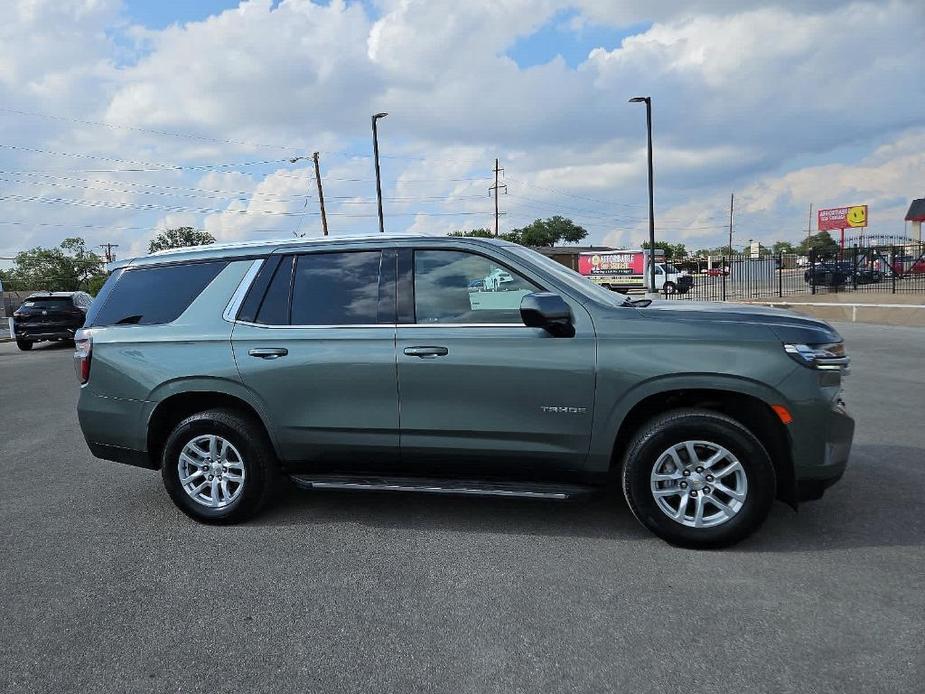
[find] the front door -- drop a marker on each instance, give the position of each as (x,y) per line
(480,392)
(319,352)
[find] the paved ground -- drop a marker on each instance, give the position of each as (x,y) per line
(104,586)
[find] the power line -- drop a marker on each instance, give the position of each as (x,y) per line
(151,131)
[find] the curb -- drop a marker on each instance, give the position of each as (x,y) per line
(910,315)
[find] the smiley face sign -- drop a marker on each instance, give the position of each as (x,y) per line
(857,216)
(851,217)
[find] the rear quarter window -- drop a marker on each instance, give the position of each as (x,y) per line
(152,295)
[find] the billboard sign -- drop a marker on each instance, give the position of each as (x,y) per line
(852,217)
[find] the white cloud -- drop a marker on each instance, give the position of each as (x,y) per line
(784,102)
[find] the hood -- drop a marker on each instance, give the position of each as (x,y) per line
(788,326)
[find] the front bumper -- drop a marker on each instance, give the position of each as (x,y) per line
(816,474)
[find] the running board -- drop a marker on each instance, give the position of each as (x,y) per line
(528,490)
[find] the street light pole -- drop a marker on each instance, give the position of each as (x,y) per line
(648,102)
(376,117)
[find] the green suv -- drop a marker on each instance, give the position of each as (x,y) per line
(455,366)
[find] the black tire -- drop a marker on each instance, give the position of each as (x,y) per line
(669,288)
(261,470)
(24,345)
(657,436)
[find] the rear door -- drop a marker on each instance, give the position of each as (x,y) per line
(317,346)
(481,393)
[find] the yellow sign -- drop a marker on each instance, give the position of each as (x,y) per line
(857,216)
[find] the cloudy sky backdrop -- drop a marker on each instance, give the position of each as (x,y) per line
(118,117)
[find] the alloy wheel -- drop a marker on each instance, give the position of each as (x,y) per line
(211,471)
(699,484)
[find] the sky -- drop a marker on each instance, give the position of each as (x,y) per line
(119,118)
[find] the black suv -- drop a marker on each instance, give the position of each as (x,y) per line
(49,316)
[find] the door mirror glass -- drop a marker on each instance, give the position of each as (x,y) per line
(548,311)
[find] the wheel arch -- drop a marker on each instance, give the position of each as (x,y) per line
(186,397)
(748,408)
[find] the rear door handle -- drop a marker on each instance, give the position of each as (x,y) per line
(426,352)
(268,352)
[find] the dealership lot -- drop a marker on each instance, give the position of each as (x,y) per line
(105,585)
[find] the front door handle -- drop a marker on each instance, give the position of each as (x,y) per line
(426,352)
(268,352)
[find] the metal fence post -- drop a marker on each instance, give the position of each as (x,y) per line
(812,270)
(893,267)
(854,269)
(723,268)
(780,274)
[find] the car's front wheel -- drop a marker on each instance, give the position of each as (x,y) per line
(697,478)
(218,467)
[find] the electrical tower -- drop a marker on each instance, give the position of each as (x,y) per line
(495,188)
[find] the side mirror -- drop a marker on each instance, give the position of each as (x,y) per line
(548,311)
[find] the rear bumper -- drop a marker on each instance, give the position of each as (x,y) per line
(37,334)
(117,454)
(114,428)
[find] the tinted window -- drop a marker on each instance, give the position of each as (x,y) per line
(49,303)
(275,307)
(336,288)
(459,287)
(145,296)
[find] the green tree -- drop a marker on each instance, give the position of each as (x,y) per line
(783,247)
(673,251)
(822,243)
(180,237)
(548,232)
(477,233)
(67,268)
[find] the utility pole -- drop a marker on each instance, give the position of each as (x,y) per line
(376,117)
(647,100)
(324,218)
(809,222)
(495,188)
(107,251)
(732,202)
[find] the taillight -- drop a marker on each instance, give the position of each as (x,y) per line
(83,351)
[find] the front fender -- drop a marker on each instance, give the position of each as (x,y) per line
(609,416)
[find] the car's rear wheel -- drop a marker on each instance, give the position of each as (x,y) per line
(218,467)
(24,345)
(669,288)
(698,478)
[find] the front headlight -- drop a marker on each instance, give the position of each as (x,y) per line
(827,356)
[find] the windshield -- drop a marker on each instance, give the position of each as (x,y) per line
(572,278)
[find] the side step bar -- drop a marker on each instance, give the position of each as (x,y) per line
(529,490)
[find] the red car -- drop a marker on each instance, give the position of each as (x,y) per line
(716,272)
(906,266)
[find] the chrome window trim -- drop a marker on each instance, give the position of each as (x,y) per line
(385,325)
(234,304)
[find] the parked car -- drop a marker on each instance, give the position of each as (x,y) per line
(372,364)
(825,275)
(716,272)
(858,273)
(48,316)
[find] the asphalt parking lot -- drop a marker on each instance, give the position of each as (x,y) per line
(105,586)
